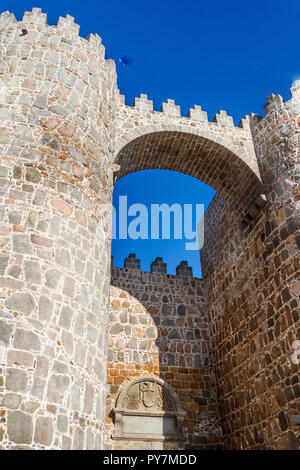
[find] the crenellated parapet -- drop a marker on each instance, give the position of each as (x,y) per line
(133,120)
(197,114)
(277,143)
(245,123)
(219,153)
(143,103)
(132,262)
(157,266)
(170,108)
(230,147)
(223,119)
(36,20)
(252,288)
(184,270)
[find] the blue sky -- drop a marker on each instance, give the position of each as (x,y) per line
(158,187)
(221,55)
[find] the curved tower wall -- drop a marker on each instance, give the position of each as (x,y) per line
(58,99)
(252,279)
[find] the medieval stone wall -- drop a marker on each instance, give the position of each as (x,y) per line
(57,95)
(252,286)
(218,153)
(64,132)
(159,326)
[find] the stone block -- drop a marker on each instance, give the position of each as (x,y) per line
(75,398)
(26,339)
(143,103)
(43,433)
(11,401)
(66,316)
(3,263)
(58,385)
(62,423)
(16,380)
(45,308)
(5,332)
(40,376)
(21,244)
(78,439)
(21,302)
(20,358)
(32,272)
(19,427)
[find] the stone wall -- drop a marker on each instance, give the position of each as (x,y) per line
(218,153)
(252,285)
(159,326)
(58,99)
(63,125)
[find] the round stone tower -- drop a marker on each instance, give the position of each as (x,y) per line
(58,99)
(277,142)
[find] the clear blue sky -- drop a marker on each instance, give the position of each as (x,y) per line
(221,55)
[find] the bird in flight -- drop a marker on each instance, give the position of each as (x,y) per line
(125,61)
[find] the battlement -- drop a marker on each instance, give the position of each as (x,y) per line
(36,19)
(66,26)
(170,108)
(157,266)
(276,104)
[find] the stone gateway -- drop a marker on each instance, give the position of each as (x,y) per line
(89,351)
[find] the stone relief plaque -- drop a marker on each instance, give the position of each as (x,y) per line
(149,395)
(148,409)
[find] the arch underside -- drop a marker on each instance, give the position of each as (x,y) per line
(196,156)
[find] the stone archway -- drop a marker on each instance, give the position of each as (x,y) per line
(212,160)
(234,174)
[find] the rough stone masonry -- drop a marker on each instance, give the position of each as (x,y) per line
(210,359)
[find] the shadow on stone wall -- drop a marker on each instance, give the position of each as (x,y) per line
(159,328)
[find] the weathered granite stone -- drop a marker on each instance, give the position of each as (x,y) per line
(57,387)
(11,400)
(5,332)
(25,339)
(43,433)
(21,302)
(16,380)
(19,427)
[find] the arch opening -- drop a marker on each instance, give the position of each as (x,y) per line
(162,209)
(231,173)
(160,322)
